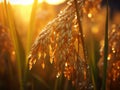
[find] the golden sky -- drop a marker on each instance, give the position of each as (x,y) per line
(26,2)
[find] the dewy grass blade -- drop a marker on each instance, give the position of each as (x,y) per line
(105,51)
(91,58)
(80,29)
(83,44)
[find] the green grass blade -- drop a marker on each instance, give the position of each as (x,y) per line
(40,80)
(20,54)
(91,49)
(80,29)
(30,34)
(31,25)
(105,52)
(92,63)
(2,21)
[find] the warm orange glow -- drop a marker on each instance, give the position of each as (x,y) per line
(89,15)
(95,30)
(28,2)
(21,2)
(58,74)
(43,65)
(109,57)
(66,64)
(13,52)
(54,1)
(24,12)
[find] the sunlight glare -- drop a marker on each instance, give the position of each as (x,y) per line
(55,1)
(28,2)
(21,2)
(40,1)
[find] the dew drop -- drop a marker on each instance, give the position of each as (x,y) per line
(30,67)
(58,74)
(51,60)
(34,61)
(43,65)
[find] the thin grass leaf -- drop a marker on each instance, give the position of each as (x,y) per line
(40,80)
(2,14)
(20,54)
(10,71)
(105,51)
(31,25)
(84,46)
(91,59)
(30,36)
(30,32)
(58,83)
(80,29)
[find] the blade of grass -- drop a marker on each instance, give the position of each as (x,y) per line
(20,54)
(31,30)
(2,14)
(84,47)
(31,25)
(30,36)
(80,29)
(40,80)
(105,51)
(58,83)
(9,70)
(92,59)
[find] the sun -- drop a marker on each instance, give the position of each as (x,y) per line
(28,2)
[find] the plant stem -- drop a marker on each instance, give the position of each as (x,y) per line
(105,51)
(80,29)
